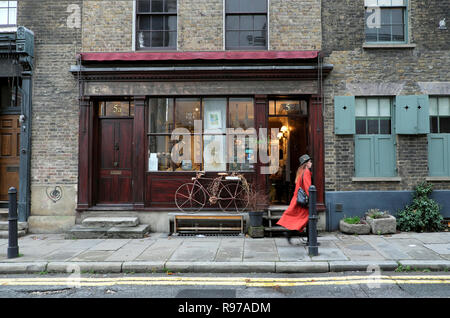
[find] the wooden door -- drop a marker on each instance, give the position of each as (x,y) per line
(298,146)
(115,161)
(9,154)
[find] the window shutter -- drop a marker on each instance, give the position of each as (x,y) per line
(344,115)
(438,155)
(364,156)
(412,114)
(385,156)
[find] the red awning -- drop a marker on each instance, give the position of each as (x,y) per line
(186,56)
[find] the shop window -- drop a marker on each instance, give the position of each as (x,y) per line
(156,24)
(386,21)
(10,94)
(198,128)
(245,24)
(8,12)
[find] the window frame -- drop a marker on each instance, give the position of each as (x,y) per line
(238,30)
(405,8)
(438,116)
(8,13)
(150,14)
(378,118)
(203,133)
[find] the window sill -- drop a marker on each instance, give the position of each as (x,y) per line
(376,179)
(388,46)
(437,179)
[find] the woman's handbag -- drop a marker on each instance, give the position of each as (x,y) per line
(302,197)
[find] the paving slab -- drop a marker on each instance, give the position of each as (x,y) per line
(160,250)
(230,249)
(414,248)
(359,251)
(196,251)
(328,251)
(91,256)
(130,250)
(260,250)
(388,250)
(109,245)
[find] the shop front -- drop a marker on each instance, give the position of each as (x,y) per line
(149,122)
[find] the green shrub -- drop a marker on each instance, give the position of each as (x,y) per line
(353,220)
(423,215)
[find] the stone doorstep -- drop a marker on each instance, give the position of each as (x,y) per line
(5,234)
(4,226)
(82,232)
(96,222)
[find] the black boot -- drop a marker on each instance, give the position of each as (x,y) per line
(288,236)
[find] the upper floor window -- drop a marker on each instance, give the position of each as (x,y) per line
(385,20)
(440,115)
(156,24)
(8,12)
(245,24)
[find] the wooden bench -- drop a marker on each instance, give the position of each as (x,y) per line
(208,228)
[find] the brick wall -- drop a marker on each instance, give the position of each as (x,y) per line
(393,71)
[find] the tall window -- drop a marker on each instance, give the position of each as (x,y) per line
(374,143)
(386,20)
(8,12)
(156,24)
(439,137)
(245,24)
(204,147)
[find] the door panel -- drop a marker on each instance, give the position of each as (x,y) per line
(9,154)
(115,175)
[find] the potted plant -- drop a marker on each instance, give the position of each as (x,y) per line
(381,222)
(354,225)
(257,202)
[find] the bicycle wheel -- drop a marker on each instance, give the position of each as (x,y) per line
(190,197)
(233,197)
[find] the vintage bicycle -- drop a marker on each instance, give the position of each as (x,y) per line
(230,191)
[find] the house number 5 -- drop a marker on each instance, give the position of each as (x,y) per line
(117,108)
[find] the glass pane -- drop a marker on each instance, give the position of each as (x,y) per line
(371,35)
(242,152)
(214,115)
(144,39)
(434,128)
(372,126)
(232,5)
(215,153)
(160,154)
(170,6)
(385,107)
(171,23)
(260,22)
(385,126)
(372,107)
(241,113)
(271,107)
(397,16)
(245,38)
(386,16)
(288,107)
(398,33)
(304,107)
(232,22)
(384,34)
(186,111)
(259,38)
(361,126)
(12,4)
(232,39)
(3,4)
(157,23)
(12,16)
(360,107)
(144,23)
(117,109)
(444,125)
(3,16)
(444,106)
(160,118)
(171,39)
(250,6)
(433,106)
(157,38)
(246,22)
(157,5)
(143,6)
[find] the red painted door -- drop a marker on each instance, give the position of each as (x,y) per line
(115,161)
(9,154)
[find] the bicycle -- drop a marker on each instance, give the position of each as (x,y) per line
(230,192)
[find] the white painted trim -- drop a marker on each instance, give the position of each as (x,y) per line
(133,39)
(438,178)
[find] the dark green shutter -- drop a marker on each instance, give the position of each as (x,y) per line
(438,155)
(344,115)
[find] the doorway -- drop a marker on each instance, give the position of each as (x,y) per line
(9,154)
(115,152)
(290,116)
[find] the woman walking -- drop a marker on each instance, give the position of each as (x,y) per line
(295,218)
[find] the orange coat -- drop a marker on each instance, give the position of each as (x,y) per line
(296,217)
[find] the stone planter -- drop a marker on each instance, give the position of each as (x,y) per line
(256,228)
(385,225)
(344,227)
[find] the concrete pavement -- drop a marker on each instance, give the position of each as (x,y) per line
(42,253)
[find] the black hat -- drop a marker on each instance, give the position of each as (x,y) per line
(304,159)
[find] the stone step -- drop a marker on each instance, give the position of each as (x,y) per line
(98,222)
(4,226)
(3,214)
(82,232)
(5,234)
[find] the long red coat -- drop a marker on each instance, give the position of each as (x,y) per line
(296,217)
